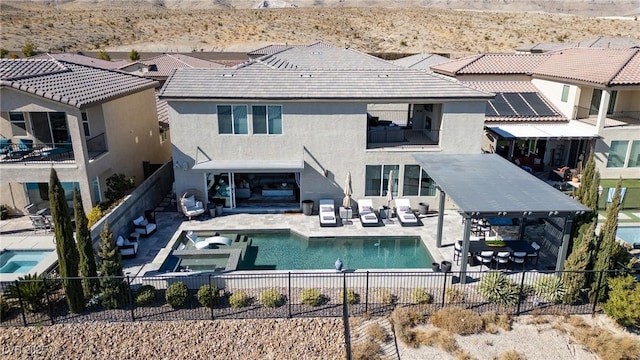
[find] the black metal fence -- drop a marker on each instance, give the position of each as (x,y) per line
(34,302)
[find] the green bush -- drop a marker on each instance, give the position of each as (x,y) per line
(31,289)
(271,298)
(384,296)
(177,295)
(550,288)
(5,307)
(311,297)
(498,289)
(238,299)
(352,297)
(94,216)
(146,295)
(420,296)
(207,295)
(623,305)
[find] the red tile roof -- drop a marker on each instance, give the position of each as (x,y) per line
(69,83)
(630,74)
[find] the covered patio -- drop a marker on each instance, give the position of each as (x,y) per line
(488,186)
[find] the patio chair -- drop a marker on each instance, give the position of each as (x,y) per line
(327,213)
(191,206)
(405,213)
(535,254)
(22,149)
(144,226)
(367,215)
(5,146)
(485,258)
(40,222)
(127,246)
(457,252)
(518,257)
(59,152)
(502,257)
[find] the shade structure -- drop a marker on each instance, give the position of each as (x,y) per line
(390,189)
(346,202)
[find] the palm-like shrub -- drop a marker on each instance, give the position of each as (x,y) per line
(177,295)
(5,308)
(420,296)
(498,289)
(239,299)
(32,289)
(352,297)
(271,298)
(311,297)
(550,288)
(207,295)
(146,295)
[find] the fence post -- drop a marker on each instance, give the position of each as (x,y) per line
(24,318)
(133,303)
(444,290)
(289,296)
(46,293)
(366,294)
(211,296)
(597,294)
(345,316)
(520,295)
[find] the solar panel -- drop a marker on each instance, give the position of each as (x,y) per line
(502,106)
(490,111)
(519,105)
(538,104)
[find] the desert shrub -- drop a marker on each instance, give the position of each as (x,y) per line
(510,355)
(420,296)
(352,297)
(602,342)
(146,295)
(239,299)
(436,337)
(384,296)
(366,350)
(454,296)
(498,289)
(311,297)
(271,298)
(403,320)
(5,308)
(550,288)
(491,322)
(458,321)
(623,305)
(177,295)
(377,332)
(94,216)
(207,295)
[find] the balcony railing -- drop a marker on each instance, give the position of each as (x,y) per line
(27,152)
(396,136)
(97,146)
(621,118)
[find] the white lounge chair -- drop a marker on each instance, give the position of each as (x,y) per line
(405,213)
(367,215)
(327,213)
(127,246)
(143,226)
(191,206)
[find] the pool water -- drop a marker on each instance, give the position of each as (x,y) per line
(21,261)
(630,234)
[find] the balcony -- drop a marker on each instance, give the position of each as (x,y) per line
(29,153)
(396,129)
(614,119)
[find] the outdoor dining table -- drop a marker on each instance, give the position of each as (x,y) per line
(476,246)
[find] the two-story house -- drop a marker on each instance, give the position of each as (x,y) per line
(86,122)
(290,125)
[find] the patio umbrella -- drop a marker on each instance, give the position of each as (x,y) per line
(347,191)
(390,189)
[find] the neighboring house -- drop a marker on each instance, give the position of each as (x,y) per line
(606,42)
(87,123)
(422,62)
(289,126)
(82,60)
(596,90)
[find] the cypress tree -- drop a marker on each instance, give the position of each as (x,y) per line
(65,245)
(608,250)
(88,268)
(588,195)
(580,259)
(111,276)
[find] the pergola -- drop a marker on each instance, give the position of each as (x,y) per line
(487,185)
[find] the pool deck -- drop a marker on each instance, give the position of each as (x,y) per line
(153,250)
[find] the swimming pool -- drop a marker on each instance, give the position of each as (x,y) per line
(21,261)
(284,250)
(629,234)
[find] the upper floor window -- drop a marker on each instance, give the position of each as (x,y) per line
(565,93)
(232,119)
(267,119)
(417,182)
(377,179)
(617,154)
(634,155)
(18,124)
(85,124)
(163,135)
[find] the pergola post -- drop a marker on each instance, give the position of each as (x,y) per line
(465,251)
(440,218)
(564,248)
(522,225)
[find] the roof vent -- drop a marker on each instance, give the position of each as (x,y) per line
(383,75)
(305,75)
(228,75)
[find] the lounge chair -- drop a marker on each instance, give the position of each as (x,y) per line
(22,149)
(40,222)
(327,213)
(191,206)
(367,215)
(143,226)
(5,146)
(60,153)
(405,213)
(128,246)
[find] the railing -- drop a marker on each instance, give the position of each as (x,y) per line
(581,112)
(97,146)
(398,117)
(30,153)
(370,292)
(394,136)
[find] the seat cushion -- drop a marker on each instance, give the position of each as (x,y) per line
(120,241)
(138,221)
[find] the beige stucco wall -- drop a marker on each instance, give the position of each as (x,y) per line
(601,153)
(552,90)
(329,137)
(627,101)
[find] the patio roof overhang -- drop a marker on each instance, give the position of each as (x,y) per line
(568,131)
(487,185)
(269,166)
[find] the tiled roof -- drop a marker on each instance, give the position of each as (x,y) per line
(165,64)
(503,64)
(81,60)
(420,61)
(599,66)
(502,86)
(69,83)
(276,48)
(163,113)
(324,57)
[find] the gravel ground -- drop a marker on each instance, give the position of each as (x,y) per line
(321,338)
